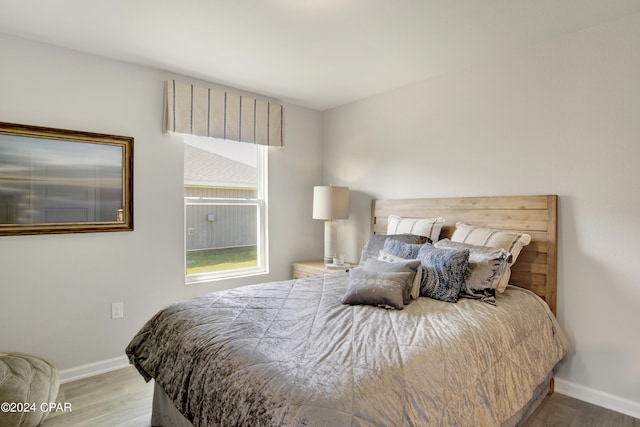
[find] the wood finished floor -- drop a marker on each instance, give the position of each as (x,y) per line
(122,399)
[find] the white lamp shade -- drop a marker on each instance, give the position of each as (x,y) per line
(330,202)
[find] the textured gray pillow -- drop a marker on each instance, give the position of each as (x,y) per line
(410,266)
(443,272)
(377,289)
(375,244)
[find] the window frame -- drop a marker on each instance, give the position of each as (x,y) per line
(262,246)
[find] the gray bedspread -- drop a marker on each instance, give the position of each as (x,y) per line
(289,353)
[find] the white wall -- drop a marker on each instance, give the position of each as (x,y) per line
(562,118)
(56,290)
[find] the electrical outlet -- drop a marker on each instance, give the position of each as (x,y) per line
(117,310)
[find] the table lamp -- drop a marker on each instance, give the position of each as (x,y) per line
(330,203)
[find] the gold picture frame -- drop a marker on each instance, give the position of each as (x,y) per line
(64,181)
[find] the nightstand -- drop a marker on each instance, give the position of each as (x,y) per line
(314,268)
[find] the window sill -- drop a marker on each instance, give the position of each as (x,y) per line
(196,279)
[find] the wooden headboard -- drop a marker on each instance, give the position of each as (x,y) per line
(537,264)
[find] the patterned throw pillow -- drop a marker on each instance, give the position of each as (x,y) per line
(427,227)
(376,242)
(509,241)
(443,272)
(377,289)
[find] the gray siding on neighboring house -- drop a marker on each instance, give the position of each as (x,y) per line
(220,226)
(210,226)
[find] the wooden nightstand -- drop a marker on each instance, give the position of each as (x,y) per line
(313,268)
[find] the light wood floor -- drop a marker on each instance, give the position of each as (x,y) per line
(119,398)
(122,399)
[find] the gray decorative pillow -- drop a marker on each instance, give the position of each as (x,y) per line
(486,267)
(410,266)
(443,272)
(415,289)
(377,289)
(509,241)
(402,249)
(375,243)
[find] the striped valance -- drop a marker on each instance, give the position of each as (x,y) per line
(203,111)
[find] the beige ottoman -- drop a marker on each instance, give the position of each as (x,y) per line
(26,383)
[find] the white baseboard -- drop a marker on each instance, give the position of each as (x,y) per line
(91,369)
(599,398)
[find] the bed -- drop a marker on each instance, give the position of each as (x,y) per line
(292,353)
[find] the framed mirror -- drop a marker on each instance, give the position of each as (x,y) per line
(64,181)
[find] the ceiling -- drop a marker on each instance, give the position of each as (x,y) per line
(315,53)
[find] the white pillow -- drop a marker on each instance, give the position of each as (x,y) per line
(509,241)
(427,227)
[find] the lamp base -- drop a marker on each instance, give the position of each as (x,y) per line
(330,239)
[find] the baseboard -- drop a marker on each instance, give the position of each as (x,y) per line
(599,398)
(91,369)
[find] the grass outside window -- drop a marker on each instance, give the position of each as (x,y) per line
(210,260)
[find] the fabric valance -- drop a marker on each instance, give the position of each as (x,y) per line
(204,111)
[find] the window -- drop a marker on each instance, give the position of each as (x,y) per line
(225,212)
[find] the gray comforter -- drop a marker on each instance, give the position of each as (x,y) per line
(289,353)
